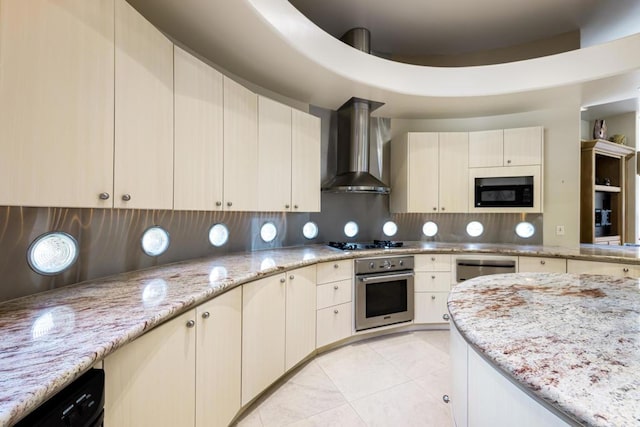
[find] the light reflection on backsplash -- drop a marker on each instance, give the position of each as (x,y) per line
(109,239)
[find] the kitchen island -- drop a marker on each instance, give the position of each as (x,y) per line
(49,339)
(571,342)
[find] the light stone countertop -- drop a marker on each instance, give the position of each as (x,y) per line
(49,339)
(570,340)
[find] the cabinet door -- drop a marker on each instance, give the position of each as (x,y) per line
(431,307)
(334,271)
(608,268)
(423,172)
(334,293)
(56,103)
(218,362)
(305,162)
(143,168)
(151,381)
(523,146)
(542,265)
(435,262)
(436,281)
(334,323)
(454,165)
(198,157)
(300,336)
(263,334)
(458,349)
(274,155)
(486,148)
(240,147)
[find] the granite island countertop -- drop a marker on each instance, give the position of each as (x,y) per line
(49,339)
(570,340)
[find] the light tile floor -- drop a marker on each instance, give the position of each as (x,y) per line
(396,380)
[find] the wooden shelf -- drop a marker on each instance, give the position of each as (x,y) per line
(607,188)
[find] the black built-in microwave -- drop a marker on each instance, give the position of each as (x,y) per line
(504,192)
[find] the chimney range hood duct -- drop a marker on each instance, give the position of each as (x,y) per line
(353,137)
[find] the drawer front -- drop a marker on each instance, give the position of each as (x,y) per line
(334,271)
(435,262)
(334,293)
(436,281)
(431,307)
(333,324)
(541,265)
(611,269)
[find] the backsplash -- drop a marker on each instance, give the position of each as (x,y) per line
(109,239)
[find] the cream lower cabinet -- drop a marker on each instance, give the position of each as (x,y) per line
(218,359)
(278,327)
(608,268)
(56,102)
(541,265)
(429,172)
(432,283)
(143,158)
(334,302)
(151,381)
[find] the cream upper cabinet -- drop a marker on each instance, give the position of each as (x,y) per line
(414,173)
(240,147)
(300,329)
(486,148)
(453,187)
(508,147)
(143,162)
(305,162)
(56,103)
(218,361)
(158,367)
(523,146)
(263,334)
(429,172)
(198,156)
(274,155)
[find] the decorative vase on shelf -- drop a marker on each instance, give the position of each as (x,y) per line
(599,129)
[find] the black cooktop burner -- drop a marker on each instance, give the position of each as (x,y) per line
(376,244)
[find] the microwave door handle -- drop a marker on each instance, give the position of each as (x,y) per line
(373,279)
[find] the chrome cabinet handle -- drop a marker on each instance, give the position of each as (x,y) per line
(433,277)
(335,266)
(206,315)
(104,196)
(126,197)
(442,208)
(445,398)
(286,206)
(191,324)
(433,258)
(626,270)
(336,287)
(229,204)
(543,262)
(445,316)
(295,206)
(433,297)
(335,312)
(508,161)
(218,203)
(435,209)
(292,277)
(282,280)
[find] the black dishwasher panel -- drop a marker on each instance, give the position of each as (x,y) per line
(80,404)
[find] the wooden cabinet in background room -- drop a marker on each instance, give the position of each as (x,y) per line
(429,172)
(56,102)
(143,159)
(240,147)
(198,151)
(603,188)
(508,147)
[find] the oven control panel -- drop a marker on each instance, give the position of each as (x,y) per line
(383,264)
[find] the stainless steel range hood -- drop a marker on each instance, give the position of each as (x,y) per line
(353,137)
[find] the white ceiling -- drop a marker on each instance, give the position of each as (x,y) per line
(270,44)
(449,27)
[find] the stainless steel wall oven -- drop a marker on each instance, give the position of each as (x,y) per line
(383,291)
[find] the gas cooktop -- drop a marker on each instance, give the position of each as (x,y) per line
(355,246)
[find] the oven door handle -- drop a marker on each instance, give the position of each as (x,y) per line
(373,279)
